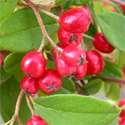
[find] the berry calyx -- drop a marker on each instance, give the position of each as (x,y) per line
(76,20)
(122,121)
(67,38)
(1,60)
(74,56)
(36,120)
(63,68)
(29,85)
(95,62)
(101,44)
(34,64)
(50,81)
(55,53)
(121,104)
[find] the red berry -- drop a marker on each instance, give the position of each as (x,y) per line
(50,81)
(36,120)
(29,85)
(95,62)
(101,44)
(80,72)
(74,55)
(63,68)
(76,20)
(123,7)
(122,121)
(34,64)
(1,60)
(67,38)
(54,52)
(121,104)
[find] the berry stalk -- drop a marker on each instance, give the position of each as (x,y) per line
(89,37)
(16,116)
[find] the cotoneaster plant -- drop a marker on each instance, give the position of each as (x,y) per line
(55,55)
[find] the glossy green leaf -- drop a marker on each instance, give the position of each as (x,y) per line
(113,28)
(111,70)
(24,33)
(112,91)
(7,7)
(93,86)
(75,110)
(9,92)
(66,5)
(3,75)
(59,2)
(12,63)
(80,2)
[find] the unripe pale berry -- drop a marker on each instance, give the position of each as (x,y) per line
(101,44)
(36,120)
(74,56)
(29,85)
(76,20)
(67,38)
(50,81)
(34,64)
(63,68)
(55,53)
(95,62)
(121,104)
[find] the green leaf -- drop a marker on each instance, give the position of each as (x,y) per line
(9,92)
(59,2)
(24,33)
(7,7)
(80,2)
(113,28)
(72,109)
(50,64)
(111,70)
(93,86)
(112,91)
(114,122)
(3,75)
(12,63)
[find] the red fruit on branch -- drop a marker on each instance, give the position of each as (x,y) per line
(122,121)
(67,38)
(80,72)
(55,53)
(63,68)
(121,104)
(34,64)
(29,85)
(36,120)
(101,44)
(123,7)
(74,56)
(1,60)
(76,20)
(50,81)
(95,62)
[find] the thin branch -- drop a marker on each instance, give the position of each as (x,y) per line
(49,13)
(7,122)
(17,108)
(89,37)
(110,79)
(36,11)
(120,2)
(19,121)
(29,105)
(42,44)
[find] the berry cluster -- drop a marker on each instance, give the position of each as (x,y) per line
(72,62)
(122,114)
